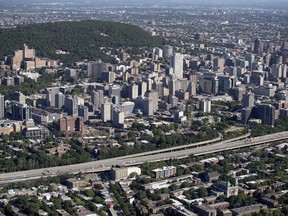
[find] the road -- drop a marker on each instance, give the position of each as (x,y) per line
(105,165)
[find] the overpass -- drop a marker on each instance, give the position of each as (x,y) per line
(137,159)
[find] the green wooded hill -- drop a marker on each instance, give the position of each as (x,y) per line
(81,39)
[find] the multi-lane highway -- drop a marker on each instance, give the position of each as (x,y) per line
(179,152)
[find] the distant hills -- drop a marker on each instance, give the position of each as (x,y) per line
(81,39)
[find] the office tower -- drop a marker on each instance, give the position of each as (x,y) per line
(59,100)
(258,46)
(250,57)
(97,98)
(266,112)
(133,91)
(205,106)
(167,51)
(248,100)
(2,106)
(106,111)
(218,65)
(71,106)
(83,112)
(176,62)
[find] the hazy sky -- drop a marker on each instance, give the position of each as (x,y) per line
(260,3)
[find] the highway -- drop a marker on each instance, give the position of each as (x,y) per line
(136,159)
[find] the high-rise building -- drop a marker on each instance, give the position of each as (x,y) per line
(20,111)
(83,112)
(258,46)
(176,62)
(133,91)
(153,95)
(51,96)
(2,106)
(106,111)
(174,85)
(225,83)
(59,100)
(248,100)
(250,57)
(95,68)
(19,97)
(246,114)
(118,117)
(167,51)
(205,106)
(266,112)
(209,84)
(218,64)
(97,98)
(115,90)
(71,106)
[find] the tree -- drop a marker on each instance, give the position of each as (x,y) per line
(89,193)
(202,192)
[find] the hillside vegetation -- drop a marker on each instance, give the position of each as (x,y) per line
(81,39)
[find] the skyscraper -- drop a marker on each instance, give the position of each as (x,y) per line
(176,62)
(2,107)
(258,46)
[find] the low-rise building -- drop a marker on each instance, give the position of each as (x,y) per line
(246,210)
(165,172)
(38,133)
(121,173)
